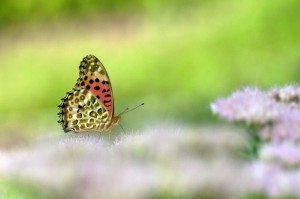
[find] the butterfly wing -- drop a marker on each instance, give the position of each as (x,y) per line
(93,77)
(81,111)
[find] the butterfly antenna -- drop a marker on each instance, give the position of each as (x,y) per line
(122,128)
(128,110)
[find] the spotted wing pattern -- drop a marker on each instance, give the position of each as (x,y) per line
(94,77)
(81,111)
(89,105)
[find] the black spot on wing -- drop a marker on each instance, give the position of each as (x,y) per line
(106,102)
(104,90)
(93,99)
(62,105)
(105,82)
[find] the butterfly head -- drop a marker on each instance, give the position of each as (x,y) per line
(115,120)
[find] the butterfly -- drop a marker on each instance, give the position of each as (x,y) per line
(89,106)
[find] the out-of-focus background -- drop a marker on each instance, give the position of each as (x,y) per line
(175,56)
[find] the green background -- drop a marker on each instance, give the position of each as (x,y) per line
(175,56)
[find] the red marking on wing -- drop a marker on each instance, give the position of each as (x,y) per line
(105,94)
(100,85)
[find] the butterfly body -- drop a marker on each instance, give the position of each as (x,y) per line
(89,106)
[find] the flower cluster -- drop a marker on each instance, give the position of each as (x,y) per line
(276,112)
(250,105)
(285,154)
(276,116)
(277,171)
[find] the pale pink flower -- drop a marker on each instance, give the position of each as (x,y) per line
(276,113)
(249,104)
(286,154)
(274,180)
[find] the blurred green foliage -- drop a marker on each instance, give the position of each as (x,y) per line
(176,56)
(15,11)
(13,189)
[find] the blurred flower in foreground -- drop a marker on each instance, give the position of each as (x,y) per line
(286,154)
(162,162)
(275,181)
(277,171)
